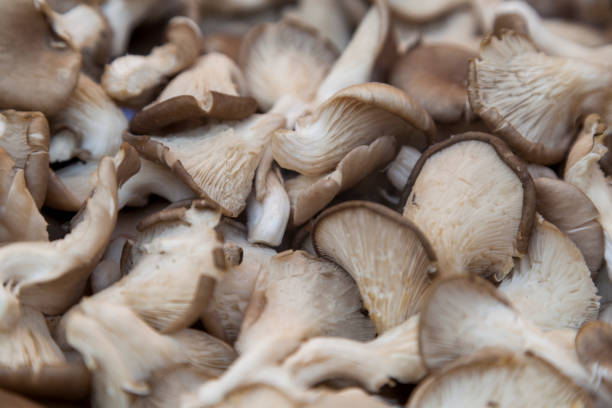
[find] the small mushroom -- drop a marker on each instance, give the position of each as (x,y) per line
(25,136)
(445,198)
(205,157)
(537,116)
(497,378)
(570,210)
(45,41)
(20,219)
(388,257)
(213,88)
(133,79)
(355,116)
(552,284)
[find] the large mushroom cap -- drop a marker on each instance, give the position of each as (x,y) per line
(499,379)
(475,202)
(22,52)
(387,255)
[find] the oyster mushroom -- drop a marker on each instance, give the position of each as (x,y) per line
(212,88)
(536,118)
(133,79)
(388,257)
(445,198)
(400,168)
(593,348)
(204,157)
(25,136)
(45,41)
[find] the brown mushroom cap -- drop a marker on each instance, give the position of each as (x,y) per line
(436,76)
(25,136)
(499,379)
(212,88)
(354,116)
(572,212)
(9,399)
(594,346)
(386,255)
(55,79)
(445,197)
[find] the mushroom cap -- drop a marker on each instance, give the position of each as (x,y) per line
(552,284)
(10,399)
(499,379)
(445,197)
(593,345)
(536,118)
(572,212)
(284,58)
(416,11)
(309,195)
(388,257)
(168,386)
(400,168)
(55,79)
(354,116)
(25,136)
(436,76)
(204,157)
(213,88)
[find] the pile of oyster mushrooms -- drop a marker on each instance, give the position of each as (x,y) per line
(311,203)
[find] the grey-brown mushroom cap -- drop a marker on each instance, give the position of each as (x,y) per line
(436,76)
(594,349)
(497,378)
(572,212)
(527,213)
(26,83)
(10,399)
(389,258)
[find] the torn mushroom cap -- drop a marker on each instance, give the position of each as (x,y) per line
(537,117)
(355,116)
(213,88)
(498,378)
(124,353)
(218,161)
(436,76)
(392,356)
(296,296)
(133,79)
(25,136)
(87,108)
(51,276)
(20,219)
(225,310)
(593,345)
(552,284)
(44,41)
(388,257)
(308,195)
(475,201)
(300,58)
(173,266)
(570,210)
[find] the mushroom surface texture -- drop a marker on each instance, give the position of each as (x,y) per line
(475,202)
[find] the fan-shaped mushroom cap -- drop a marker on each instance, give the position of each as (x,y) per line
(173,266)
(218,161)
(300,56)
(392,356)
(20,219)
(213,88)
(499,379)
(51,276)
(445,198)
(593,345)
(436,76)
(25,136)
(572,212)
(134,79)
(388,257)
(355,116)
(87,108)
(537,116)
(552,284)
(308,195)
(44,41)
